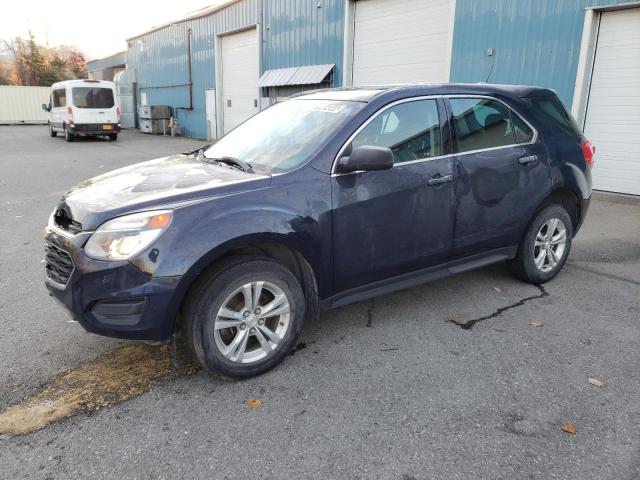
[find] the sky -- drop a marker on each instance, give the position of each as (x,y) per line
(96,28)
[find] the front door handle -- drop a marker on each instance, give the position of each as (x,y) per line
(528,159)
(438,180)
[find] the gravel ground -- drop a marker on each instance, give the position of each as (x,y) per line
(389,388)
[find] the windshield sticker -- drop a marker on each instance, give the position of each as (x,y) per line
(329,108)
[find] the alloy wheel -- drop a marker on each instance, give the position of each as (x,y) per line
(252,322)
(550,244)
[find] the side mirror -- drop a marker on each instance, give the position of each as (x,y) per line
(45,107)
(367,158)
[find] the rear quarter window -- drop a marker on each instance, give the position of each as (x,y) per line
(552,109)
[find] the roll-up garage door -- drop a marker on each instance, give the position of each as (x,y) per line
(613,112)
(240,73)
(401,41)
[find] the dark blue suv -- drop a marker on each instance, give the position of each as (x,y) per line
(327,198)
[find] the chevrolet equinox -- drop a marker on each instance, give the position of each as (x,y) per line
(330,197)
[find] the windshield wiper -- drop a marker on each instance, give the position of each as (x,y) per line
(234,162)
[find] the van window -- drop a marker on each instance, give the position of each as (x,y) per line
(411,130)
(59,97)
(92,97)
(481,123)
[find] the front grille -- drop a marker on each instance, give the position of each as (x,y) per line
(58,264)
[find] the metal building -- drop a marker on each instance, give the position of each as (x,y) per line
(208,66)
(222,64)
(586,50)
(106,68)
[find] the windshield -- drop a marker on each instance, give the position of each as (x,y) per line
(92,97)
(283,136)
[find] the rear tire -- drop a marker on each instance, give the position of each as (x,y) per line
(230,306)
(113,137)
(51,132)
(68,136)
(545,246)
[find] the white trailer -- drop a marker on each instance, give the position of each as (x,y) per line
(23,104)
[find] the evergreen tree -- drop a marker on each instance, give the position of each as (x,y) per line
(35,62)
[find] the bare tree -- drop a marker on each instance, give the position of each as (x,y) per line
(24,62)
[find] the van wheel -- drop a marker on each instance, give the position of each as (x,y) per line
(244,317)
(51,132)
(68,136)
(545,246)
(113,137)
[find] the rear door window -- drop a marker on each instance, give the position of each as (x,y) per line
(92,97)
(59,97)
(522,131)
(411,130)
(481,123)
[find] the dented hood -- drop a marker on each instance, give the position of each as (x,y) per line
(164,182)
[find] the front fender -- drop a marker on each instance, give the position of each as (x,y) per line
(294,211)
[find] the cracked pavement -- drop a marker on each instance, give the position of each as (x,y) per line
(389,388)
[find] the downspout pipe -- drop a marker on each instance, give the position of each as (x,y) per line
(190,67)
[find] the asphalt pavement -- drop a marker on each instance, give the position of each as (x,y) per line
(391,388)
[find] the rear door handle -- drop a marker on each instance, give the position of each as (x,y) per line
(529,159)
(438,180)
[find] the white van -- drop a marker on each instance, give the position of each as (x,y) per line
(83,107)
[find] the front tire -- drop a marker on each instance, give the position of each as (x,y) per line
(68,136)
(545,246)
(244,317)
(52,133)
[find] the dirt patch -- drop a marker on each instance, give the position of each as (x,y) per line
(112,378)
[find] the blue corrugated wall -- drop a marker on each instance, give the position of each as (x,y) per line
(299,32)
(160,61)
(295,33)
(535,42)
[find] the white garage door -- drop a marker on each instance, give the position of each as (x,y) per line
(401,41)
(613,113)
(240,74)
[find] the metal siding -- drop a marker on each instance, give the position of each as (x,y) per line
(535,42)
(114,60)
(160,59)
(295,33)
(299,32)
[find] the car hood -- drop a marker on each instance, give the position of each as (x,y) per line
(164,182)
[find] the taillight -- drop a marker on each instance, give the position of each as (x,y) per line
(70,112)
(589,150)
(118,113)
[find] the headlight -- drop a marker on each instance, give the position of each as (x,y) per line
(123,237)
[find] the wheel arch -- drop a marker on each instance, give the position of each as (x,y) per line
(274,246)
(566,198)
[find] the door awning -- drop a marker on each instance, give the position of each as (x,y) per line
(307,75)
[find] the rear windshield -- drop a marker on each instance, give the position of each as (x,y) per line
(92,97)
(553,109)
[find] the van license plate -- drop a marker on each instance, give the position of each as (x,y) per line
(107,127)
